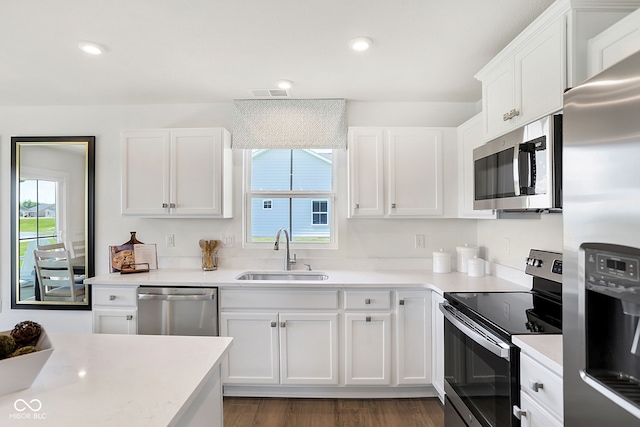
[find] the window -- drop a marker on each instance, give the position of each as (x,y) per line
(319,212)
(291,189)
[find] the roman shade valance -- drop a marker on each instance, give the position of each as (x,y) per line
(289,124)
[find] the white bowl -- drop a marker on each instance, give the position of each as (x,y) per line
(20,372)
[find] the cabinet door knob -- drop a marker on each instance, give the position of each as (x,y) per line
(273,324)
(368,319)
(393,205)
(367,301)
(535,385)
(129,317)
(172,205)
(283,324)
(401,302)
(357,206)
(112,297)
(165,205)
(518,413)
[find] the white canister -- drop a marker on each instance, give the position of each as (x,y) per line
(476,267)
(441,262)
(465,253)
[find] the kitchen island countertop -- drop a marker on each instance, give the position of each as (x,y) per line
(117,380)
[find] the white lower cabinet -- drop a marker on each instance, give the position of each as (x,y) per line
(438,344)
(280,337)
(413,337)
(534,415)
(254,355)
(541,394)
(343,341)
(367,348)
(115,309)
(281,348)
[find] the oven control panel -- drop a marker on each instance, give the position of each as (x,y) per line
(544,264)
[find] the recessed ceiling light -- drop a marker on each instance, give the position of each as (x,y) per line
(284,84)
(92,48)
(360,44)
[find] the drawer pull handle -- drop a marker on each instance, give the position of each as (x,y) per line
(273,324)
(393,205)
(112,297)
(401,302)
(535,385)
(129,316)
(368,319)
(357,206)
(518,413)
(283,324)
(367,301)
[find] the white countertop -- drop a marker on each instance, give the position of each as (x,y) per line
(547,349)
(226,278)
(117,380)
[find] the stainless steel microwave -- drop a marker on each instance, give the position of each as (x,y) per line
(521,170)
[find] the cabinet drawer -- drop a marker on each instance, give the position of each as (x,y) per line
(534,415)
(550,394)
(115,296)
(367,300)
(279,299)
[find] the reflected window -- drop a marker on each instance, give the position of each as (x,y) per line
(38,219)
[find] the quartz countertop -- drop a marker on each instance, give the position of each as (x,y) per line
(226,278)
(116,380)
(547,349)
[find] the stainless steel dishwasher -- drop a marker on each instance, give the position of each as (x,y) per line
(177,311)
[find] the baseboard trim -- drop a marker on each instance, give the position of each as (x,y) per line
(368,392)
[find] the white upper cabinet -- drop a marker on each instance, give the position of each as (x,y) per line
(177,173)
(614,44)
(527,84)
(527,79)
(395,172)
(469,137)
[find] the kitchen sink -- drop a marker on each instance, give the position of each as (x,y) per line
(282,276)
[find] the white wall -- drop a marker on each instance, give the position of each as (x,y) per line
(388,239)
(507,241)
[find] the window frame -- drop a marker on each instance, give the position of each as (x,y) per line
(248,195)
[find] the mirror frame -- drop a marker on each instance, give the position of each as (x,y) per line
(16,143)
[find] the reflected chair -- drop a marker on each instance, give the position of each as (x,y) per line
(78,248)
(55,277)
(52,247)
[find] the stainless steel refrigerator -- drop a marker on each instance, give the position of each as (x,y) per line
(601,259)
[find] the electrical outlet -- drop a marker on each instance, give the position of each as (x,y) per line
(227,240)
(419,241)
(171,242)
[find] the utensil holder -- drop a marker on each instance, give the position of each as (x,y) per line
(210,260)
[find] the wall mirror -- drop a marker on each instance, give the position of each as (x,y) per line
(52,221)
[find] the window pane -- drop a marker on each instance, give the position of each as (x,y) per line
(296,214)
(299,170)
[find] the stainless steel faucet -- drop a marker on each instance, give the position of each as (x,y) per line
(288,262)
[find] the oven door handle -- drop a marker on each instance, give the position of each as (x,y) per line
(497,348)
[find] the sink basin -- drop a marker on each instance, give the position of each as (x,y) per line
(282,276)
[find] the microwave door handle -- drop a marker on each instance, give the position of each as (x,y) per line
(498,350)
(516,170)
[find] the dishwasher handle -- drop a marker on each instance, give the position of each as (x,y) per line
(163,297)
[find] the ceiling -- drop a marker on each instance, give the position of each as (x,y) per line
(205,51)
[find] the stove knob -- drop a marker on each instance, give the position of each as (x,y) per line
(537,263)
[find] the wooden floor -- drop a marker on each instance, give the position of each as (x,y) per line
(281,412)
